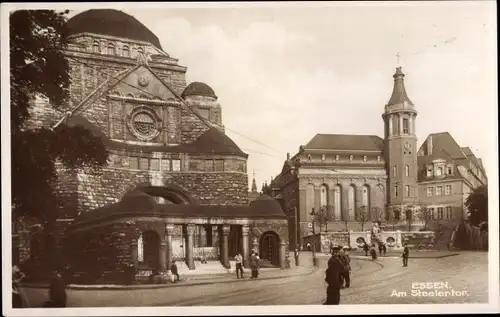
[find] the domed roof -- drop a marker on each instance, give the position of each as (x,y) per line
(111,22)
(198,89)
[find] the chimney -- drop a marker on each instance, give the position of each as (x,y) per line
(429,145)
(288,156)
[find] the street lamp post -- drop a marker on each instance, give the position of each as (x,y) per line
(315,262)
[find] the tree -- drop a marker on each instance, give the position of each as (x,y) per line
(362,216)
(38,69)
(425,214)
(377,214)
(477,205)
(322,217)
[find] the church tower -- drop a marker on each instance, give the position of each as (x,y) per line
(400,149)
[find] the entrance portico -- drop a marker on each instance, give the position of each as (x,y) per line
(152,235)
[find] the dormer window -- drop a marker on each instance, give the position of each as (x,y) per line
(126,51)
(96,47)
(337,157)
(364,158)
(111,49)
(323,157)
(439,171)
(429,170)
(449,169)
(350,157)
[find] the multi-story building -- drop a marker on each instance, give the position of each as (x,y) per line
(359,179)
(172,172)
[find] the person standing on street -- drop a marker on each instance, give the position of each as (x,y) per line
(406,255)
(366,249)
(175,271)
(296,255)
(373,253)
(239,265)
(333,276)
(17,277)
(57,290)
(346,261)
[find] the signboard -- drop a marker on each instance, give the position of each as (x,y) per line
(309,225)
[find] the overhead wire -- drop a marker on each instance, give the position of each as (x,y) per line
(120,80)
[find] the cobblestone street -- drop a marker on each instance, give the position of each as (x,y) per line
(372,283)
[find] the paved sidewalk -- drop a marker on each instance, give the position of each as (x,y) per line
(429,254)
(305,268)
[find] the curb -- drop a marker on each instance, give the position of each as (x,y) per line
(411,257)
(168,285)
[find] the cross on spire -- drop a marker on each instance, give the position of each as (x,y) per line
(398,56)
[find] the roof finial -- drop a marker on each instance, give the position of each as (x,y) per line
(398,56)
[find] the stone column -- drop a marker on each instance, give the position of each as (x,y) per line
(283,254)
(134,252)
(162,254)
(169,230)
(330,202)
(245,244)
(225,245)
(345,202)
(189,246)
(400,124)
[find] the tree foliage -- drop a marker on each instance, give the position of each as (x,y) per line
(477,205)
(377,214)
(38,68)
(425,215)
(322,217)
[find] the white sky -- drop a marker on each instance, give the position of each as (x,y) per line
(285,73)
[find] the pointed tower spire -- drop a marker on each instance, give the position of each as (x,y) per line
(399,95)
(254,184)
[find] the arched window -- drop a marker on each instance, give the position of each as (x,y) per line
(323,195)
(140,249)
(337,157)
(365,201)
(351,201)
(111,49)
(125,51)
(439,171)
(350,157)
(140,50)
(309,157)
(96,48)
(407,170)
(322,157)
(337,201)
(378,159)
(364,158)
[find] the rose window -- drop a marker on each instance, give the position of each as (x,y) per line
(144,124)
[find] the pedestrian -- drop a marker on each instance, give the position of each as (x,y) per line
(57,290)
(333,276)
(296,255)
(406,254)
(17,277)
(175,271)
(380,248)
(346,261)
(254,265)
(384,248)
(239,265)
(308,246)
(366,249)
(373,253)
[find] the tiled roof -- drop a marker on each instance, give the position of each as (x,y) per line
(443,146)
(212,141)
(143,205)
(111,22)
(347,142)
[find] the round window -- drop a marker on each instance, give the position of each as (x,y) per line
(143,124)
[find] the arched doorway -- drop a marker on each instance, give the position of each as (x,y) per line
(270,247)
(150,249)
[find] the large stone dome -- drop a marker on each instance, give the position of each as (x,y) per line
(111,22)
(198,89)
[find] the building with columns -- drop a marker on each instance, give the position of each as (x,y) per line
(175,187)
(360,179)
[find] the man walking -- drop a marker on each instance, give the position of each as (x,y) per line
(346,273)
(175,271)
(296,255)
(333,276)
(406,255)
(239,265)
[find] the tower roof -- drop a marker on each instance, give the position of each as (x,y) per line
(399,95)
(111,22)
(254,184)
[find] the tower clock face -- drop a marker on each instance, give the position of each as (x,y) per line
(407,145)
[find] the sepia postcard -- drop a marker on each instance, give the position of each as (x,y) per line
(249,158)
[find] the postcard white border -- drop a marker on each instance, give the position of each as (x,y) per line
(493,256)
